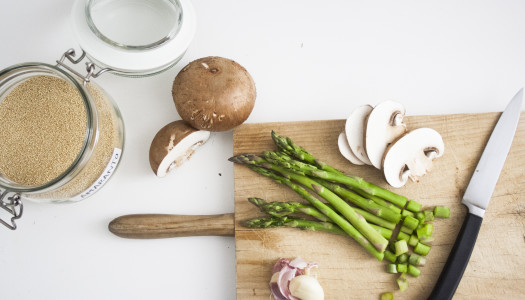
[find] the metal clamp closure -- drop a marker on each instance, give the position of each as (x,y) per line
(90,66)
(13,205)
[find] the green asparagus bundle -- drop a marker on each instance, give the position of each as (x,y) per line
(300,173)
(352,206)
(341,221)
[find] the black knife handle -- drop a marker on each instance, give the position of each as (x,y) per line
(458,259)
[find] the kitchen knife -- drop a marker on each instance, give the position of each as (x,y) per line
(477,197)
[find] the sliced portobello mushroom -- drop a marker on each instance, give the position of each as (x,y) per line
(174,144)
(345,150)
(355,132)
(384,125)
(412,155)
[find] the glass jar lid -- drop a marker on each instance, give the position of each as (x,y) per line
(134,37)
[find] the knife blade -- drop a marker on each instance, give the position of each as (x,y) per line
(477,197)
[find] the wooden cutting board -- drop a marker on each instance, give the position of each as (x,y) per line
(346,271)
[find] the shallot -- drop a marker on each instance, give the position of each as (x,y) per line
(291,280)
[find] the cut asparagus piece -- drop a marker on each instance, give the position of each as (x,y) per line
(413,206)
(387,296)
(412,270)
(401,247)
(441,212)
(406,230)
(413,240)
(391,268)
(402,282)
(402,259)
(426,240)
(410,222)
(425,231)
(402,268)
(420,216)
(390,256)
(403,236)
(416,260)
(405,213)
(422,249)
(429,215)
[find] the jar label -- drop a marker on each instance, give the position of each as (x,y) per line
(104,177)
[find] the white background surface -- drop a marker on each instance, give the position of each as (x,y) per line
(310,60)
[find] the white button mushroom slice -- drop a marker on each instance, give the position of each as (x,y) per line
(173,145)
(355,132)
(384,125)
(411,156)
(345,150)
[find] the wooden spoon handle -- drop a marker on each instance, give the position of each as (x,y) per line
(154,226)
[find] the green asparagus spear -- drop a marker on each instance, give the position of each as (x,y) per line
(274,222)
(378,200)
(366,204)
(281,209)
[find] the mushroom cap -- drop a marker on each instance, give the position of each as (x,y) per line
(214,94)
(355,132)
(384,125)
(411,156)
(173,145)
(344,148)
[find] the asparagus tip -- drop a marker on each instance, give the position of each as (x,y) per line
(257,201)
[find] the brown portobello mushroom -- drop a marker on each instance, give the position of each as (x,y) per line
(214,94)
(173,145)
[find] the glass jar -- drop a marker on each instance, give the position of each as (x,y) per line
(62,135)
(134,37)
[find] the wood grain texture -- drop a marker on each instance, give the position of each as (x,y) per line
(496,269)
(156,226)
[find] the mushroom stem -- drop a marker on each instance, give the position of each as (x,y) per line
(398,119)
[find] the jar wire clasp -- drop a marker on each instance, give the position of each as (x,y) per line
(90,66)
(13,205)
